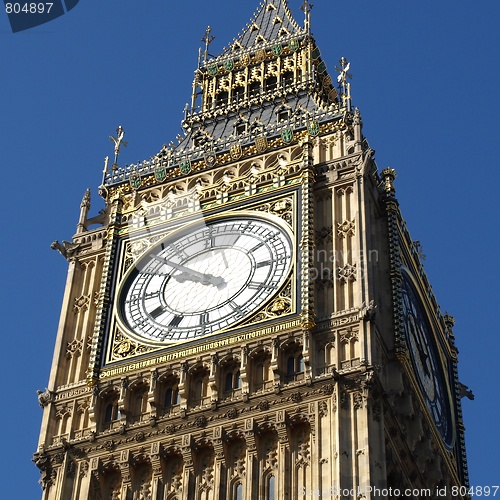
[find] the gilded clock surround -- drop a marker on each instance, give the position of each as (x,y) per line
(321,375)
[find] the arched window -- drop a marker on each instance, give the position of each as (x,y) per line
(232,380)
(271,488)
(138,403)
(300,364)
(239,93)
(198,387)
(172,397)
(111,412)
(287,78)
(293,364)
(238,492)
(261,372)
(271,83)
(222,99)
(254,88)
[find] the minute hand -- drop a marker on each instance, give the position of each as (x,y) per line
(205,279)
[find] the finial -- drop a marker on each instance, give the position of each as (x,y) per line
(342,79)
(388,177)
(120,133)
(86,199)
(207,39)
(306,8)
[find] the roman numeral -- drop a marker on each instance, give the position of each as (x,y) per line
(260,286)
(176,321)
(261,244)
(157,312)
(264,263)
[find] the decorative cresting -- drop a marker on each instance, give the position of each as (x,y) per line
(103,304)
(267,89)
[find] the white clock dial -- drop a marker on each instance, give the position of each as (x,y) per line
(205,279)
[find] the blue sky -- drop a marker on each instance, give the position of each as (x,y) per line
(425,77)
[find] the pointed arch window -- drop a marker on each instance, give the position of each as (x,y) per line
(254,88)
(271,83)
(222,99)
(293,364)
(111,411)
(271,488)
(239,93)
(287,78)
(238,492)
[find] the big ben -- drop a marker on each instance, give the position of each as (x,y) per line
(249,317)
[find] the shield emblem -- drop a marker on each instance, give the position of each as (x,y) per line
(160,173)
(185,166)
(245,59)
(260,55)
(293,44)
(321,67)
(315,53)
(135,180)
(261,143)
(332,96)
(229,65)
(213,70)
(287,135)
(327,81)
(210,159)
(277,50)
(313,127)
(236,151)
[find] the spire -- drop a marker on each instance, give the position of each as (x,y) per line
(84,211)
(272,20)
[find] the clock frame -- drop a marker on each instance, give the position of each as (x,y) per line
(205,278)
(425,359)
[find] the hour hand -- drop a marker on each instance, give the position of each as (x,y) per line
(188,274)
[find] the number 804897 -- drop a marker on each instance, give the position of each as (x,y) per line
(28,8)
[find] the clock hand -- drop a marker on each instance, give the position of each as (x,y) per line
(192,275)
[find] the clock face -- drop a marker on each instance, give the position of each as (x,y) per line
(426,361)
(205,279)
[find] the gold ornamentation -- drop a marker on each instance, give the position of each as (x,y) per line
(260,55)
(236,151)
(245,59)
(282,208)
(124,348)
(261,143)
(278,307)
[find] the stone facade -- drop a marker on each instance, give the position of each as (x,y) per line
(319,391)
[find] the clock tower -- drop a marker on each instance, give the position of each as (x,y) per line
(250,319)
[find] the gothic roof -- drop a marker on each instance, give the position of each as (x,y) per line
(289,107)
(272,20)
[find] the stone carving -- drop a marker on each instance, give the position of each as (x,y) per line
(346,228)
(347,273)
(74,348)
(44,398)
(81,303)
(66,249)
